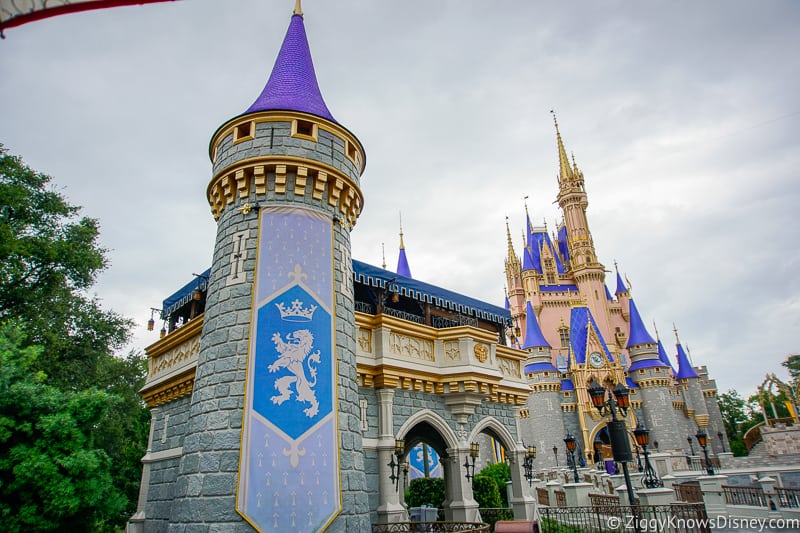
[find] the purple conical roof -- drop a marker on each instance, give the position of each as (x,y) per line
(662,356)
(402,264)
(685,369)
(292,85)
(621,288)
(639,334)
(533,333)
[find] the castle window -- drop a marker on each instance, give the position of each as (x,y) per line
(658,370)
(304,129)
(352,153)
(244,132)
(563,334)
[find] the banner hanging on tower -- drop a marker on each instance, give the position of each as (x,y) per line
(289,467)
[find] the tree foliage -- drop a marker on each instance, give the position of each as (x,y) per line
(486,492)
(501,473)
(426,491)
(53,476)
(50,258)
(792,364)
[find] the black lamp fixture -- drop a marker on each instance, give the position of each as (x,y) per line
(569,440)
(555,452)
(197,293)
(530,455)
(399,451)
(151,324)
(469,462)
(611,404)
(702,440)
(650,478)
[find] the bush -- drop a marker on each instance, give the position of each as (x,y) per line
(486,492)
(426,491)
(501,473)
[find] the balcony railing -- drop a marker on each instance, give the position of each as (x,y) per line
(788,498)
(744,496)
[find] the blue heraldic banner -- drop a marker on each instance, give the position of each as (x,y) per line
(289,467)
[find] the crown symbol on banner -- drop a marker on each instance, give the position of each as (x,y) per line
(296,313)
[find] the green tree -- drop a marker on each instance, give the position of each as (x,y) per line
(49,259)
(792,364)
(53,476)
(738,416)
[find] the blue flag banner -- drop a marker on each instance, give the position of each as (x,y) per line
(289,467)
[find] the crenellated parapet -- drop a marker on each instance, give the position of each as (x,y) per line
(286,156)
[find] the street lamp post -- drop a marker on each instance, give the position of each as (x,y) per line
(620,445)
(650,478)
(530,455)
(569,440)
(702,440)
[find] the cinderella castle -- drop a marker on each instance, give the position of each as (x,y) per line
(292,384)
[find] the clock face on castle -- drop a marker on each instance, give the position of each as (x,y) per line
(596,359)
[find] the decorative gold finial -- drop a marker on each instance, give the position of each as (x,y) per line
(402,246)
(297,9)
(555,121)
(675,329)
(656,328)
(383,254)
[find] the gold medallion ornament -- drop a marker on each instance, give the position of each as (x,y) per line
(481,352)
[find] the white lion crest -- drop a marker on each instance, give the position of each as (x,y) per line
(293,352)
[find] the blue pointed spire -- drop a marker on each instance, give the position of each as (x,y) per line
(685,369)
(292,85)
(662,356)
(527,260)
(638,334)
(621,288)
(402,264)
(533,333)
(402,260)
(608,293)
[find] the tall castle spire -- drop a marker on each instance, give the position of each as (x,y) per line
(402,260)
(292,84)
(589,273)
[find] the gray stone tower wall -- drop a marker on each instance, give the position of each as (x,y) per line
(272,168)
(695,401)
(544,426)
(657,409)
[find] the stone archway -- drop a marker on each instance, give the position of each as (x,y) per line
(521,500)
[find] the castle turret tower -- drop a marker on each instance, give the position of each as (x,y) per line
(545,427)
(588,272)
(689,382)
(654,382)
(273,434)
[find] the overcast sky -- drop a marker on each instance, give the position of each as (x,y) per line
(684,117)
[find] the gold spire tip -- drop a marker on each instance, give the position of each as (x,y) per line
(298,10)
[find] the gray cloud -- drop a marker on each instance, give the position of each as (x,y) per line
(682,115)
